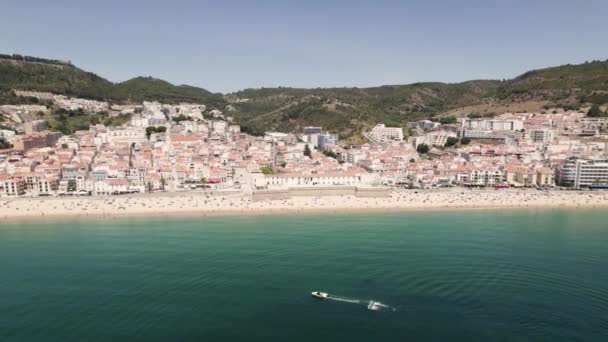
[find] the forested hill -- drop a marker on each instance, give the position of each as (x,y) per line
(60,77)
(347,111)
(350,110)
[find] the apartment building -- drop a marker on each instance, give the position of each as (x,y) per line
(579,172)
(37,139)
(35,126)
(492,124)
(381,133)
(543,136)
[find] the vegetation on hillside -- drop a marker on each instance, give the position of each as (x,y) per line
(38,74)
(70,121)
(8,97)
(152,89)
(351,110)
(17,57)
(347,111)
(596,112)
(155,129)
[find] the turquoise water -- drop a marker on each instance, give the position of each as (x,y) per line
(451,276)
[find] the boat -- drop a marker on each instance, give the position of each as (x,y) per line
(320,295)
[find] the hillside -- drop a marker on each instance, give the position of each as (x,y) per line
(30,73)
(51,76)
(347,111)
(152,89)
(350,110)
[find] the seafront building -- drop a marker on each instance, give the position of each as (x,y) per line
(578,173)
(202,150)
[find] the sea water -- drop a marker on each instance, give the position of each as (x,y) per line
(486,275)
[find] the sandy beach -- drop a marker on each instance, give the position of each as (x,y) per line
(166,204)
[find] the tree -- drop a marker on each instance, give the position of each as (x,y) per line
(307,151)
(422,148)
(64,146)
(465,141)
(266,170)
(163,181)
(451,141)
(180,118)
(330,154)
(153,129)
(4,144)
(595,112)
(447,120)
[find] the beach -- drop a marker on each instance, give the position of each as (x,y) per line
(200,203)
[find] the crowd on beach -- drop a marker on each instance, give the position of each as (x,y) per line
(204,204)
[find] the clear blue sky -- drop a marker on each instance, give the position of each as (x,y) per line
(230,45)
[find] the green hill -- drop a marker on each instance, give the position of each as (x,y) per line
(30,73)
(27,73)
(351,110)
(347,111)
(153,89)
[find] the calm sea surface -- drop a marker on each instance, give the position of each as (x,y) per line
(505,275)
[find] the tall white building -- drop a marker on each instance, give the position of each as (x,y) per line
(543,136)
(578,172)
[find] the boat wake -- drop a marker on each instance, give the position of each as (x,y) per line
(346,299)
(370,304)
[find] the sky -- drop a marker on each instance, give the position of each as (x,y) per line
(228,45)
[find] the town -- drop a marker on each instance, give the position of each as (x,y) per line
(188,147)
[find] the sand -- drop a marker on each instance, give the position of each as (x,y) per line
(202,204)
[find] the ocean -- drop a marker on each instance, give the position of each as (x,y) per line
(471,275)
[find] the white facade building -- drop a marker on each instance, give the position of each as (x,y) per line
(492,124)
(381,133)
(543,136)
(578,172)
(439,138)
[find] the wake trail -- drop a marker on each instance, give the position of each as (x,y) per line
(346,299)
(370,304)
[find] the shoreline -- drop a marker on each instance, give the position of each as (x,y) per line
(204,205)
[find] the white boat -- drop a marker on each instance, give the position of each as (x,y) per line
(320,295)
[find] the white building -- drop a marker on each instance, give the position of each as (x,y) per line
(438,138)
(7,135)
(578,172)
(111,187)
(492,124)
(219,127)
(300,180)
(543,136)
(127,134)
(485,177)
(381,133)
(423,125)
